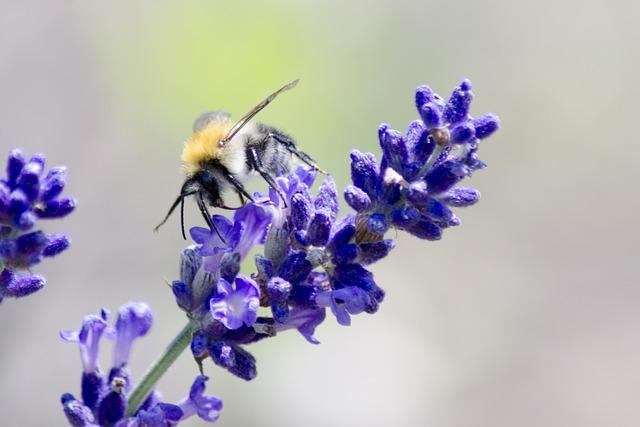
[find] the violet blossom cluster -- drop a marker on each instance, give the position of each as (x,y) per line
(311,259)
(103,395)
(28,194)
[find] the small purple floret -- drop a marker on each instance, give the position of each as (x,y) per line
(235,307)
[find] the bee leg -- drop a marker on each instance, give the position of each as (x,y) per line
(237,184)
(243,201)
(293,149)
(257,165)
(179,200)
(207,216)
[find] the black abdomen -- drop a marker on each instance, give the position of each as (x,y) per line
(271,147)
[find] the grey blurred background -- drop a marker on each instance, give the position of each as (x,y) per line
(527,314)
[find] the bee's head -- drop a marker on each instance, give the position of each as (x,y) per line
(209,186)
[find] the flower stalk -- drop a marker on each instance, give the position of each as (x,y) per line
(159,367)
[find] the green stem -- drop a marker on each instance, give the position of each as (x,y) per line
(159,367)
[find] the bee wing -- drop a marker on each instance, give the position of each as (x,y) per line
(209,117)
(244,120)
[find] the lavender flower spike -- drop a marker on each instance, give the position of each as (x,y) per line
(26,195)
(104,399)
(415,184)
(312,259)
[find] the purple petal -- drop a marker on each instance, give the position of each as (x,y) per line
(209,241)
(134,321)
(346,301)
(88,338)
(305,320)
(206,407)
(233,308)
(251,222)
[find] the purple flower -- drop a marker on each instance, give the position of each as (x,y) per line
(316,240)
(196,284)
(233,358)
(346,301)
(160,415)
(16,286)
(305,320)
(312,259)
(206,407)
(247,230)
(26,195)
(88,338)
(104,399)
(235,307)
(134,321)
(77,414)
(415,183)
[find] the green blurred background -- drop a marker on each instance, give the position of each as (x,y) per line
(525,315)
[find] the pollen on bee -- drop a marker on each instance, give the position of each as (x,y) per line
(203,146)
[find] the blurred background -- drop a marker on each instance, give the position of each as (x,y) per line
(527,314)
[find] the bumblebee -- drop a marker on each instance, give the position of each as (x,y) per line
(221,156)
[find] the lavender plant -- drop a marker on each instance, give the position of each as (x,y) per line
(27,194)
(309,260)
(104,396)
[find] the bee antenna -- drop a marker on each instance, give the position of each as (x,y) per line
(255,110)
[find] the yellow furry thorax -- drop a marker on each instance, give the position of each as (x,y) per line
(203,146)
